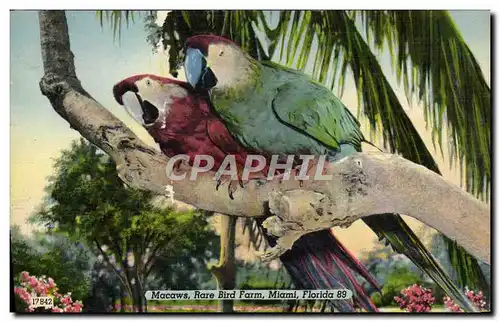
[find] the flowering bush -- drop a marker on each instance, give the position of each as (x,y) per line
(31,286)
(478,300)
(415,298)
(450,305)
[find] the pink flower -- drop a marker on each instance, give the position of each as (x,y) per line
(33,282)
(24,276)
(415,299)
(77,306)
(66,300)
(41,290)
(478,300)
(33,286)
(450,305)
(51,283)
(23,294)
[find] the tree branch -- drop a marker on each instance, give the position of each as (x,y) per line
(363,184)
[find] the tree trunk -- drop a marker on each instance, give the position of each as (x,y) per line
(225,271)
(123,297)
(134,286)
(139,296)
(141,300)
(113,302)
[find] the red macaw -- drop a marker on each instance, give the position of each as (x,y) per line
(182,122)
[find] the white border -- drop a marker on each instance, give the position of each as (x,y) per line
(191,4)
(257,4)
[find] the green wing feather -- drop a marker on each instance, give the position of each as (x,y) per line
(312,109)
(309,107)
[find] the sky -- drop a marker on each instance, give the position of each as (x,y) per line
(38,133)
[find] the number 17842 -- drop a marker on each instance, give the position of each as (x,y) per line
(45,301)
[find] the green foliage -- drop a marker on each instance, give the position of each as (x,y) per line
(56,256)
(257,276)
(186,266)
(399,279)
(88,201)
(153,30)
(393,270)
(257,282)
(438,68)
(377,299)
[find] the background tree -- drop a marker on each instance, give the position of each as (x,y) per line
(87,200)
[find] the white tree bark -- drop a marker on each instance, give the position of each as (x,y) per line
(363,184)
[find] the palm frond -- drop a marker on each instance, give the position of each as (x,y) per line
(339,47)
(115,19)
(438,68)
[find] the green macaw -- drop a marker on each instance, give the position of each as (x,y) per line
(275,110)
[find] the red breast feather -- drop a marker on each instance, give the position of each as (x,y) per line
(193,130)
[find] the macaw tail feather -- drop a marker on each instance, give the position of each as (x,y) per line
(319,261)
(403,240)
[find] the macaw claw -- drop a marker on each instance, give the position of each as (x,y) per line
(231,190)
(219,182)
(232,185)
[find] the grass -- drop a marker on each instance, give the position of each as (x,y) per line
(211,306)
(194,306)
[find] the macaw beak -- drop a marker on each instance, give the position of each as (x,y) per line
(126,93)
(198,74)
(123,87)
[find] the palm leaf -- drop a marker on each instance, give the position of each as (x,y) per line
(438,68)
(339,43)
(115,18)
(337,33)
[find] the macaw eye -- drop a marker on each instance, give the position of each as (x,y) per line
(221,53)
(148,82)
